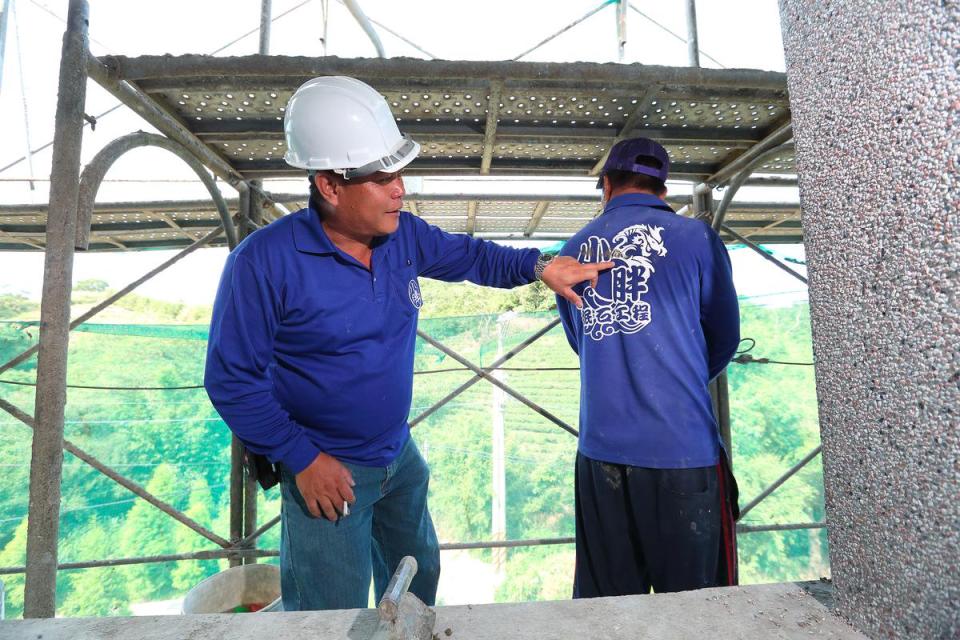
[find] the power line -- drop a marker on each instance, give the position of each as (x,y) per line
(128,465)
(130,421)
(396,35)
(109,504)
(677,36)
(746,358)
(50,12)
(743,358)
(257,28)
(103,388)
(125,180)
(120,104)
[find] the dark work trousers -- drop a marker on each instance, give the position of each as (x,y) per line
(669,529)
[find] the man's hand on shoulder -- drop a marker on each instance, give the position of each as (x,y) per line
(564,272)
(325,484)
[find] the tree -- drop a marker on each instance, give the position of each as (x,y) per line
(15,554)
(91,284)
(188,573)
(148,531)
(95,592)
(14,304)
(15,338)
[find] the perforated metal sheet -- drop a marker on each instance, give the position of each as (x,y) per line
(176,224)
(550,119)
(495,118)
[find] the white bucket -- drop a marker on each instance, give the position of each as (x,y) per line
(242,585)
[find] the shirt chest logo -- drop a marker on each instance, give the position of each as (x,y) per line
(633,253)
(413,291)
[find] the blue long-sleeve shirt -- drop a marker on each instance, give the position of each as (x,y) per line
(310,352)
(657,328)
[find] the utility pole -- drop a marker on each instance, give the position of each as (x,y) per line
(693,40)
(621,29)
(4,16)
(499,479)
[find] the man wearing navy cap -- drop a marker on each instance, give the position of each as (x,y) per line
(655,500)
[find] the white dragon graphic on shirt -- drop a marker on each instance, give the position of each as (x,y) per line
(633,251)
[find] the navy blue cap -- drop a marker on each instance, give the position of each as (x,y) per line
(624,155)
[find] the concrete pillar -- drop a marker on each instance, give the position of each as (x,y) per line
(46,459)
(875,96)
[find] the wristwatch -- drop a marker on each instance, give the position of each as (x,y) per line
(542,262)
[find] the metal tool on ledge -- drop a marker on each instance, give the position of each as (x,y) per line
(403,616)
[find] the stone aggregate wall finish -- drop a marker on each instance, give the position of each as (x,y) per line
(875,97)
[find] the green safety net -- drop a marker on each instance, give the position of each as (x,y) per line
(172,441)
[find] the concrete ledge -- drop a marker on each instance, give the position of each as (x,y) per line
(760,612)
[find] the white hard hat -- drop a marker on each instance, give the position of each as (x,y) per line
(341,124)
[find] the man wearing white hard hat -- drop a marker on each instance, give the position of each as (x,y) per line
(310,357)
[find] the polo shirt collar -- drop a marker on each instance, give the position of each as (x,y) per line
(310,237)
(637,199)
(308,233)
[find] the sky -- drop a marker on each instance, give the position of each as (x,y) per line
(733,33)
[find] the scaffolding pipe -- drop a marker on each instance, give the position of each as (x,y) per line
(563,30)
(266,10)
(777,137)
(721,212)
(720,395)
(251,489)
(153,113)
(193,206)
(325,6)
(237,480)
(205,240)
(117,106)
(756,248)
(760,528)
(249,538)
(489,378)
(172,557)
(379,24)
(693,39)
(354,7)
(675,35)
(248,554)
(46,462)
(779,481)
(621,29)
(236,494)
(477,378)
(490,128)
(123,481)
(580,74)
(243,487)
(96,170)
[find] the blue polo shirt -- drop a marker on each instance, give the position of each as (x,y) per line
(310,351)
(658,327)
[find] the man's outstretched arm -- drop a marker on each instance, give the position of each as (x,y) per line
(454,257)
(564,272)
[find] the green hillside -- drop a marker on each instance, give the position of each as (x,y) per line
(173,442)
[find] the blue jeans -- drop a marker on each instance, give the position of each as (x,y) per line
(327,565)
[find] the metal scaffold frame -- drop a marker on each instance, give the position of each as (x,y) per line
(69,219)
